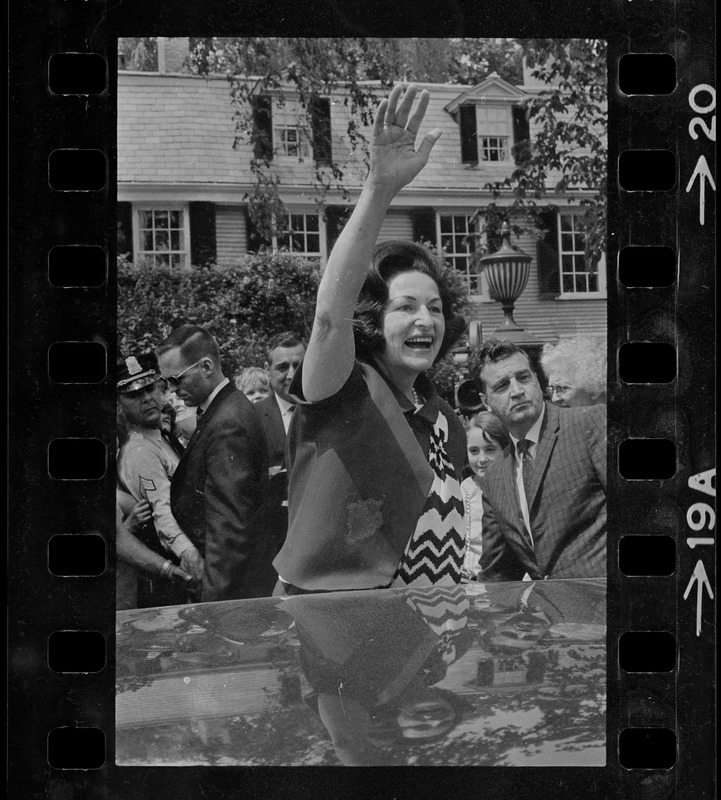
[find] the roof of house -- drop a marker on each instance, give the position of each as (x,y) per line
(179,129)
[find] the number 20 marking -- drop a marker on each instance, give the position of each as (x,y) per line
(699,122)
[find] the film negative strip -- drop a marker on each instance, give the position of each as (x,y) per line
(661,324)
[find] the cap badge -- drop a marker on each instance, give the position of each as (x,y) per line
(133,366)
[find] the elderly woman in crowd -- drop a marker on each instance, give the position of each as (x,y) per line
(374,496)
(576,371)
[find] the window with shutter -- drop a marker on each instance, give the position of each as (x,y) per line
(262,137)
(469,143)
(125,229)
(202,233)
(162,234)
(458,245)
(581,275)
(564,270)
(319,111)
(424,226)
(549,281)
(521,136)
(254,239)
(335,220)
(300,234)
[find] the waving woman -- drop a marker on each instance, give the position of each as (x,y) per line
(376,455)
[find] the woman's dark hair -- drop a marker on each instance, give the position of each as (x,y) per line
(391,259)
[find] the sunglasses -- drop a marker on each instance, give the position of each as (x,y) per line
(174,380)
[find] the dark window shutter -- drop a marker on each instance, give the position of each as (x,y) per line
(469,143)
(549,271)
(254,241)
(202,234)
(262,127)
(335,220)
(424,226)
(521,136)
(319,112)
(125,229)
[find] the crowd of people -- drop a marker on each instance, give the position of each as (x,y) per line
(337,465)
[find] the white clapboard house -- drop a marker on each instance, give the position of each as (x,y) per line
(182,184)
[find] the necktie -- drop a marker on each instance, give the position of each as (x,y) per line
(523,448)
(174,442)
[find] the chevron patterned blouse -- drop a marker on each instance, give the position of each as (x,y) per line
(434,553)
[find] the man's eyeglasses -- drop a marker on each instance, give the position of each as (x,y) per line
(174,380)
(558,389)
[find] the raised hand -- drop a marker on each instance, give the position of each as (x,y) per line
(394,158)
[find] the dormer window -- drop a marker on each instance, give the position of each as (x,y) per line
(290,140)
(494,148)
(492,122)
(486,134)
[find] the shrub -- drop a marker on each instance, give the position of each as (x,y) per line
(241,304)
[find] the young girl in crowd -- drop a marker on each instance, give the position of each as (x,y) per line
(485,439)
(254,383)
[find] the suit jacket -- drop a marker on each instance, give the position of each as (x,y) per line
(567,503)
(272,421)
(270,416)
(217,496)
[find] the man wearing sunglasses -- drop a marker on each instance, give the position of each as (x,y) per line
(220,485)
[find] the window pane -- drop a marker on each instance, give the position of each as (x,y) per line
(446,224)
(566,223)
(162,261)
(147,241)
(313,243)
(567,242)
(161,240)
(146,219)
(312,222)
(161,219)
(593,283)
(296,222)
(175,240)
(175,219)
(567,263)
(580,282)
(568,283)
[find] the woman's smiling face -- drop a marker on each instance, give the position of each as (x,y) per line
(413,326)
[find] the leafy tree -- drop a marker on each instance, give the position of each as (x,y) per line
(472,60)
(140,54)
(242,305)
(569,151)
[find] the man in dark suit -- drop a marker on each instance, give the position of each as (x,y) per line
(219,487)
(285,352)
(544,500)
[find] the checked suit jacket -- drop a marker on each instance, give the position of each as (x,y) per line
(217,495)
(567,503)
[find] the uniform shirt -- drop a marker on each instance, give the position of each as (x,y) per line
(146,464)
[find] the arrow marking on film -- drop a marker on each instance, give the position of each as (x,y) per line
(699,574)
(704,174)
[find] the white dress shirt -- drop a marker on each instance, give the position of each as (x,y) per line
(286,411)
